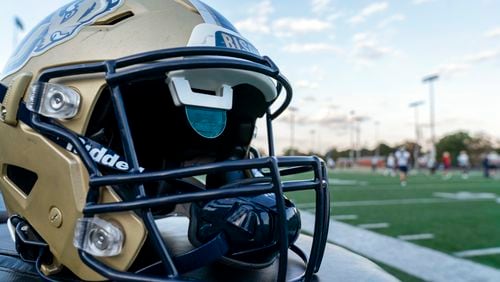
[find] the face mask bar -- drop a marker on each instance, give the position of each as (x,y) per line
(164,61)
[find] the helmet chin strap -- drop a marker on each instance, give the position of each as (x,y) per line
(205,254)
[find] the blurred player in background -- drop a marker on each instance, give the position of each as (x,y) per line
(446,159)
(390,165)
(402,160)
(464,164)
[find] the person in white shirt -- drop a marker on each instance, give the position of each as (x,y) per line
(464,164)
(390,165)
(402,160)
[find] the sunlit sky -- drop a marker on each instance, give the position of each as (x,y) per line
(362,59)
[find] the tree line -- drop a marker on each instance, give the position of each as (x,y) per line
(476,146)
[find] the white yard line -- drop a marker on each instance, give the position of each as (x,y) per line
(465,195)
(346,182)
(421,262)
(412,237)
(479,252)
(390,202)
(411,201)
(378,225)
(345,217)
(381,202)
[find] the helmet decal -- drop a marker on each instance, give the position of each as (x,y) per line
(58,28)
(214,35)
(224,39)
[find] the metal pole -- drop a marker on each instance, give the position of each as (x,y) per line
(313,141)
(358,139)
(433,113)
(430,79)
(415,105)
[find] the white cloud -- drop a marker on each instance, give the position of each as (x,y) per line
(320,6)
(452,69)
(467,62)
(331,120)
(292,26)
(325,9)
(258,21)
(252,25)
(311,48)
(297,117)
(495,32)
(418,2)
(392,19)
(262,9)
(367,49)
(317,71)
(483,56)
(368,11)
(306,84)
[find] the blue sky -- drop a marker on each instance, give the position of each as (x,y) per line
(366,57)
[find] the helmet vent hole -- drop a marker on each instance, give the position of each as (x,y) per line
(116,19)
(24,179)
(203,91)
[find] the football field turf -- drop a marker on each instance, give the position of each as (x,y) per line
(459,217)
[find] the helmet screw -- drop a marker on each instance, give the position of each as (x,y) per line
(3,113)
(55,217)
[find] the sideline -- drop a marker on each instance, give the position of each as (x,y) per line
(421,262)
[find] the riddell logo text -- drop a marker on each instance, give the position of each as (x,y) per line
(102,155)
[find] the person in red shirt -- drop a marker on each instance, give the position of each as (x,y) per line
(446,165)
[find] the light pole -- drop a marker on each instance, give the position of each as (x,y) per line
(415,105)
(430,80)
(359,120)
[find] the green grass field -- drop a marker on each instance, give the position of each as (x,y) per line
(461,214)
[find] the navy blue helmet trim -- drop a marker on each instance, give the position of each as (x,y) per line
(3,92)
(120,71)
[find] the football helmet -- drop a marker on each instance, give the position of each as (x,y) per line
(125,121)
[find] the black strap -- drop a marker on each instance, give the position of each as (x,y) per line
(3,92)
(203,255)
(24,115)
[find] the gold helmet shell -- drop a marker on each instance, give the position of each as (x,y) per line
(89,89)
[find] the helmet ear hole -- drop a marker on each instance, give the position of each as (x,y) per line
(24,179)
(115,19)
